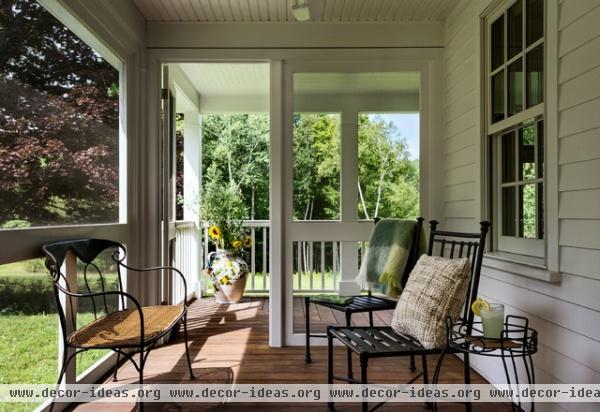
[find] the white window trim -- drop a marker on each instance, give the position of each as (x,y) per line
(551,262)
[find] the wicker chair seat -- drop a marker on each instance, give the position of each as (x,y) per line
(122,328)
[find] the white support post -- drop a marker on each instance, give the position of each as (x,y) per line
(277,249)
(192,172)
(349,200)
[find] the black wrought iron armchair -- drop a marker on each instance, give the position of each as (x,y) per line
(382,342)
(124,329)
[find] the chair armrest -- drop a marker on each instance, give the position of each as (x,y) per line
(171,268)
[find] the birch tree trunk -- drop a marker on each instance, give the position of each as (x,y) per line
(362,201)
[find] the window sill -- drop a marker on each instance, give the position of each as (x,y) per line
(530,267)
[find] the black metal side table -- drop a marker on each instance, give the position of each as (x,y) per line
(517,341)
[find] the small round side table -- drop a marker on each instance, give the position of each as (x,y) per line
(517,341)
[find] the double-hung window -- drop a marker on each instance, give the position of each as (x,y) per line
(515,125)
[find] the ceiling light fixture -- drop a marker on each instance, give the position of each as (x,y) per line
(300,10)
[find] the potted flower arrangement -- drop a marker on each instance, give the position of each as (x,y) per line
(223,208)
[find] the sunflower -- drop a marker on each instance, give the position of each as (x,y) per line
(237,244)
(214,232)
(248,241)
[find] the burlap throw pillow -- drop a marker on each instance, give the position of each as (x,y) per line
(436,289)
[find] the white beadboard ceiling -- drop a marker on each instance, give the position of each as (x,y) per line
(279,11)
(228,79)
(252,79)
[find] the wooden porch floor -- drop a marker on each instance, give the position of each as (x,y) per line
(229,343)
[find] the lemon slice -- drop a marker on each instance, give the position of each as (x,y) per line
(478,305)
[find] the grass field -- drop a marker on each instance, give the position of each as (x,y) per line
(29,340)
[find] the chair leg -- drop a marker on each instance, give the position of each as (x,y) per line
(425,372)
(187,346)
(371,318)
(413,365)
(140,403)
(364,363)
(307,358)
(467,366)
(114,378)
(349,352)
(428,405)
(330,407)
(65,362)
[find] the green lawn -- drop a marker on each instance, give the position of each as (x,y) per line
(29,350)
(29,329)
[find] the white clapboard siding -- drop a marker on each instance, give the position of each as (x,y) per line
(579,175)
(567,313)
(579,147)
(579,60)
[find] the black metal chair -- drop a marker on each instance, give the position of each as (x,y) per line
(116,327)
(363,303)
(382,342)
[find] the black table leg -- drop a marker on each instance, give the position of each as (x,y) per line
(467,366)
(364,363)
(330,407)
(349,352)
(307,358)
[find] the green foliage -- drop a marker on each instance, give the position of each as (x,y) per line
(237,147)
(33,293)
(222,206)
(316,166)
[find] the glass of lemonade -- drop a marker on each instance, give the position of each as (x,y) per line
(492,320)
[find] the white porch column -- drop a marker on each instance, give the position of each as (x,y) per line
(349,200)
(192,180)
(192,166)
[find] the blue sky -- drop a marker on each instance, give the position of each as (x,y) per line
(408,126)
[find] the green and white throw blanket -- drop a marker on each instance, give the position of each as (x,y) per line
(387,255)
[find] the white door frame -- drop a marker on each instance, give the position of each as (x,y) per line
(426,60)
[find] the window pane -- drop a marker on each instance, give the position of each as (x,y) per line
(535,20)
(535,76)
(515,29)
(316,166)
(497,42)
(498,97)
(59,124)
(540,144)
(508,157)
(509,212)
(388,165)
(527,153)
(527,211)
(515,87)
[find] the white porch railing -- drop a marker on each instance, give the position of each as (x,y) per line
(316,264)
(186,250)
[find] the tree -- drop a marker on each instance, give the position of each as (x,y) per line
(316,166)
(238,146)
(388,182)
(58,123)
